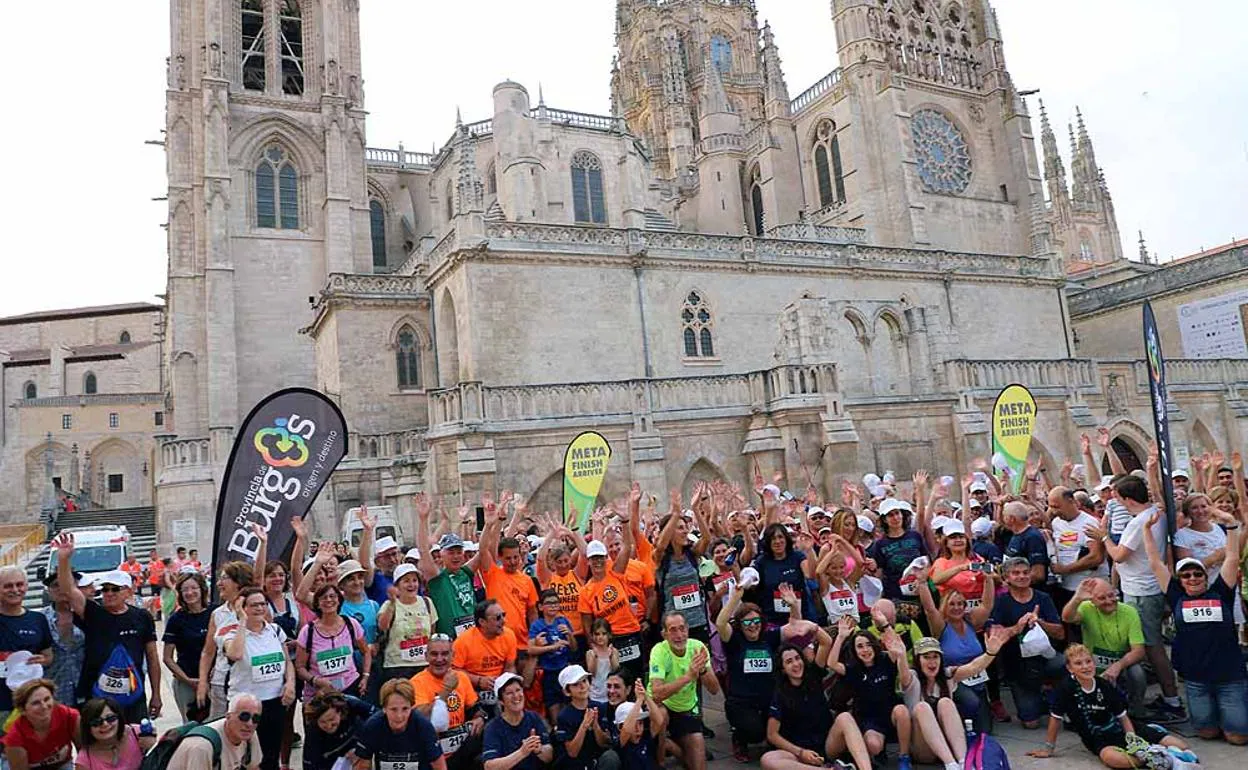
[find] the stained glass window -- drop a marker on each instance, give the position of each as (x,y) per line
(377,231)
(277,191)
(721,53)
(407,360)
(697,323)
(942,154)
(588,202)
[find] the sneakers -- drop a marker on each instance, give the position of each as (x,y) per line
(740,752)
(1147,755)
(1165,714)
(903,762)
(953,766)
(998,711)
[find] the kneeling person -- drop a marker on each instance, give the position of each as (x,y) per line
(582,737)
(461,737)
(677,665)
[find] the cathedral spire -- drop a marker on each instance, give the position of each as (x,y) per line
(1088,183)
(1144,258)
(469,189)
(1054,169)
(777,94)
(714,98)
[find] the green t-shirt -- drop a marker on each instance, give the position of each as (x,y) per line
(1109,637)
(666,666)
(452,596)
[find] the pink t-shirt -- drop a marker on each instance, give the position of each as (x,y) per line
(129,758)
(332,657)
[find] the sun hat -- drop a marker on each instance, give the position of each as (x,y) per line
(412,553)
(349,568)
(385,544)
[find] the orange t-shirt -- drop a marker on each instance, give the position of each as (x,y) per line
(569,590)
(638,578)
(480,656)
(608,599)
(156,573)
(428,687)
(516,594)
(135,571)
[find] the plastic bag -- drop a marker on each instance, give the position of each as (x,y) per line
(440,716)
(1036,642)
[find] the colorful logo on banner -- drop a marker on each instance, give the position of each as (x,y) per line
(584,468)
(1013,422)
(1161,419)
(285,451)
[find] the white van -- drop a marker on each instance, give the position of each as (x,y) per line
(387,526)
(96,549)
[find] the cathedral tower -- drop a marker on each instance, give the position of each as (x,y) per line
(1082,217)
(265,156)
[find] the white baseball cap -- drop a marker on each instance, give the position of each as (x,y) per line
(981,527)
(403,570)
(623,710)
(979,486)
(115,578)
(1189,561)
(384,544)
(20,670)
(749,577)
(954,527)
(865,523)
(412,553)
(503,679)
(596,548)
(571,675)
(938,522)
(894,504)
(1179,473)
(1106,482)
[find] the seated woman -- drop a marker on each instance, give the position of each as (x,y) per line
(800,724)
(43,737)
(750,650)
(939,735)
(398,734)
(517,739)
(1098,712)
(955,624)
(331,721)
(106,742)
(871,676)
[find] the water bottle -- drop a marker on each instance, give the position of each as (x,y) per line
(969,724)
(146,728)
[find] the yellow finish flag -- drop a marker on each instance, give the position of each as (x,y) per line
(1013,421)
(584,467)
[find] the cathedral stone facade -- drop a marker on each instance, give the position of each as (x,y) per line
(717,276)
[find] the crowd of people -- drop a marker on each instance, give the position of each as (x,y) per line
(834,630)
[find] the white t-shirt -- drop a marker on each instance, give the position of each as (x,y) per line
(196,753)
(1134,574)
(262,669)
(1068,540)
(1201,544)
(227,623)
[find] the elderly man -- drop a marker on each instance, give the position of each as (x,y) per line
(386,559)
(20,629)
(486,651)
(1019,610)
(461,740)
(1112,631)
(678,665)
(448,574)
(227,744)
(1077,557)
(1026,541)
(114,631)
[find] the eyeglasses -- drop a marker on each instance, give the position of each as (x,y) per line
(249,716)
(751,622)
(110,589)
(101,721)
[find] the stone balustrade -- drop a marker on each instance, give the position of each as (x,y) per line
(1042,377)
(91,399)
(808,231)
(807,97)
(623,401)
(185,452)
(579,119)
(1185,374)
(400,158)
(367,446)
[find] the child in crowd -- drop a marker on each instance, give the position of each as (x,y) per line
(600,659)
(552,641)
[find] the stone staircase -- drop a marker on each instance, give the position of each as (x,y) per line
(656,221)
(140,522)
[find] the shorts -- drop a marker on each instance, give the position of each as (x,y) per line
(1118,738)
(552,692)
(1152,611)
(881,723)
(682,723)
(1218,706)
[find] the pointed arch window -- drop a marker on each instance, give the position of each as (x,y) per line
(290,25)
(829,173)
(30,391)
(253,45)
(89,384)
(277,191)
(757,220)
(697,327)
(491,181)
(450,202)
(124,339)
(377,231)
(407,359)
(721,53)
(588,202)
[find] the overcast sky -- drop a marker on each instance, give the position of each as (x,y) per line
(1163,92)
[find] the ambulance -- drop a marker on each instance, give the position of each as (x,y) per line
(97,550)
(387,525)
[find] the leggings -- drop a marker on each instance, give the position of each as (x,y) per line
(272,727)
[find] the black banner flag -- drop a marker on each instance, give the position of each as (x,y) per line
(1161,420)
(283,454)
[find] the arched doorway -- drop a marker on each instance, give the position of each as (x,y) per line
(1130,460)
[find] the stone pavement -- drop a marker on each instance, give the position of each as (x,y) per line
(1071,755)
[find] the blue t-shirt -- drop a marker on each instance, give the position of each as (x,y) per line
(638,755)
(560,628)
(418,742)
(365,613)
(380,588)
(1205,648)
(501,738)
(892,555)
(772,574)
(1030,545)
(1006,611)
(566,726)
(29,631)
(987,550)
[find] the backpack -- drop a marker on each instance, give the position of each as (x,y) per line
(982,753)
(157,758)
(119,679)
(307,645)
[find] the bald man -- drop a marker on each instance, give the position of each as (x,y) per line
(1077,557)
(1026,542)
(1112,631)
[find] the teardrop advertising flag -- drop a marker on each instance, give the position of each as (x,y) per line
(584,467)
(1013,421)
(1156,364)
(283,454)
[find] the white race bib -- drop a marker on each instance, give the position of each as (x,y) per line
(397,765)
(463,624)
(909,589)
(4,664)
(975,681)
(1202,611)
(452,739)
(487,697)
(412,651)
(973,603)
(114,685)
(686,597)
(780,604)
(841,602)
(756,662)
(333,661)
(268,667)
(630,652)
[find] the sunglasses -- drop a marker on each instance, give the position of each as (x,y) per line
(440,638)
(751,622)
(249,716)
(1191,575)
(111,589)
(499,616)
(101,721)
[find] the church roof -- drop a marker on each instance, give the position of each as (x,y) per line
(124,308)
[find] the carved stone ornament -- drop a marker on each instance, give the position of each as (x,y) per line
(1115,396)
